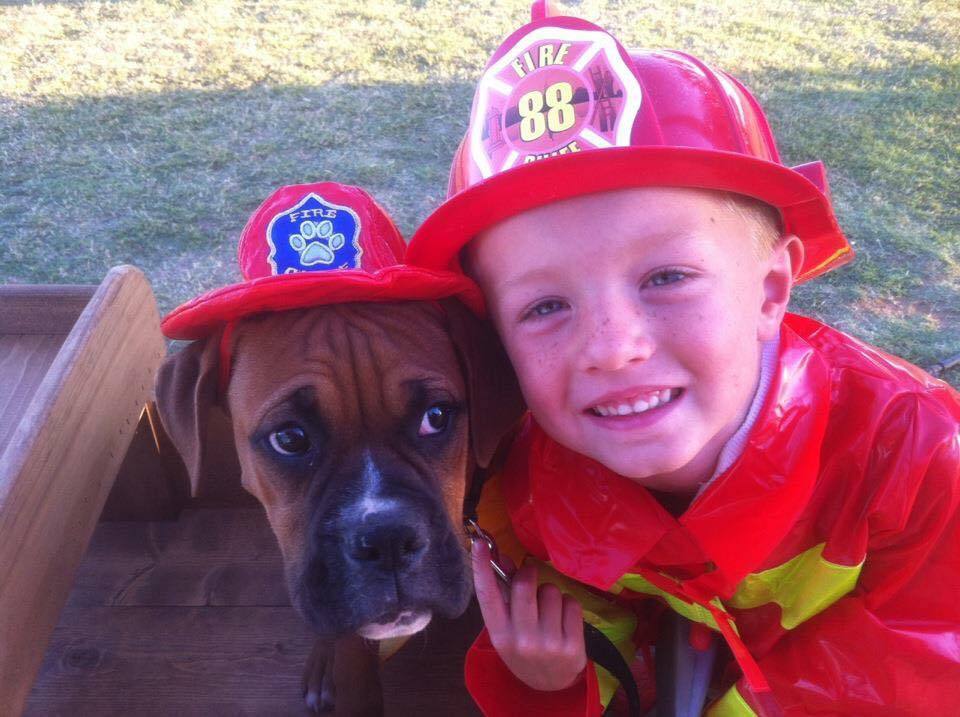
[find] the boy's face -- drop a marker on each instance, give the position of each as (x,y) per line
(634,320)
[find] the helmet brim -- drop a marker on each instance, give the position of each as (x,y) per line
(804,207)
(203,315)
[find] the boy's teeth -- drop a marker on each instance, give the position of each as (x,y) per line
(639,406)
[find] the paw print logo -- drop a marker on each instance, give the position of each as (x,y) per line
(316,243)
(314,235)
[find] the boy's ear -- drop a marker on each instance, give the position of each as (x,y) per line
(496,403)
(787,256)
(187,397)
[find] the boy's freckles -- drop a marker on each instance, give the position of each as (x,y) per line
(632,319)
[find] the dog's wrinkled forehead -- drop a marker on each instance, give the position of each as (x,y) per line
(332,347)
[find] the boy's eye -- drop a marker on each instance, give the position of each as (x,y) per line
(670,276)
(545,308)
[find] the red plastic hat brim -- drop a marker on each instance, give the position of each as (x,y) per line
(805,208)
(200,317)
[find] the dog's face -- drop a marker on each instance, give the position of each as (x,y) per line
(351,425)
(351,428)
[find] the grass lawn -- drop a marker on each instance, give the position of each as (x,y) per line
(146,132)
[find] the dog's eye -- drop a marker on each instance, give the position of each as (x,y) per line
(291,440)
(435,419)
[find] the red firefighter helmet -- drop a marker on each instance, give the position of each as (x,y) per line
(562,109)
(311,245)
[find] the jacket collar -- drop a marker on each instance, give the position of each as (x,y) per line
(595,525)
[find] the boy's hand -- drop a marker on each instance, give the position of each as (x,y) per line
(538,633)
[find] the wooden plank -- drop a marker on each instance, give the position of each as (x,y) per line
(226,661)
(137,637)
(58,467)
(24,361)
(207,558)
(168,660)
(42,308)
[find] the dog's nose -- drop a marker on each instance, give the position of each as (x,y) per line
(389,546)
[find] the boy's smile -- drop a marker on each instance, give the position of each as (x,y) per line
(634,320)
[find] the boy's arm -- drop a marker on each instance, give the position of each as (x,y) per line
(892,645)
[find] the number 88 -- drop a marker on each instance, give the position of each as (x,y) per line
(559,117)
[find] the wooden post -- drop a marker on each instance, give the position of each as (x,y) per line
(60,459)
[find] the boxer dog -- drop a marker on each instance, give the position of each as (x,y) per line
(361,396)
(356,426)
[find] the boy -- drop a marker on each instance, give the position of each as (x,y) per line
(691,447)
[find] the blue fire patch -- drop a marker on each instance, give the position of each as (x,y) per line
(315,235)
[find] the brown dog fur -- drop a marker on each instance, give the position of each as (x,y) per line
(354,365)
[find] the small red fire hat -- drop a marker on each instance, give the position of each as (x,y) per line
(563,109)
(315,244)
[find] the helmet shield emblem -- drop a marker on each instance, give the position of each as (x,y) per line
(314,235)
(556,90)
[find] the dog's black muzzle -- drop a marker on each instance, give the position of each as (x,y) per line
(367,566)
(390,543)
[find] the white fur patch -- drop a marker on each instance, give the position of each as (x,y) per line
(407,623)
(371,502)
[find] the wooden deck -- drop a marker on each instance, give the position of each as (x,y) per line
(191,617)
(77,366)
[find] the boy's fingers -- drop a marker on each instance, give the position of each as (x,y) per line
(550,600)
(485,583)
(510,568)
(573,623)
(523,599)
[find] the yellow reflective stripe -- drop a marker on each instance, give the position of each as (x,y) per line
(691,611)
(803,586)
(607,684)
(731,704)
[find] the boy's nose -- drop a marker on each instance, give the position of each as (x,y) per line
(616,337)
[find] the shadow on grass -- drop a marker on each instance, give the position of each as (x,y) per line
(890,140)
(167,181)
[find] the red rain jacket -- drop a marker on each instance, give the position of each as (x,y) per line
(827,555)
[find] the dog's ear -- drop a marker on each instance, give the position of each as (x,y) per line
(187,398)
(496,403)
